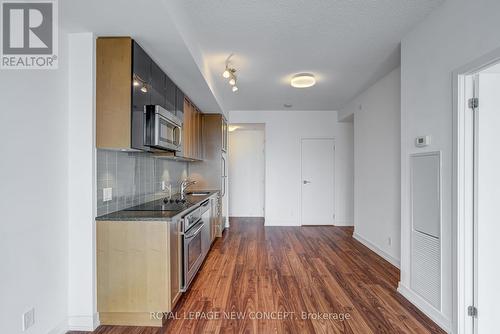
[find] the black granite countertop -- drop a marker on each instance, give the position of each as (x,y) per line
(152,211)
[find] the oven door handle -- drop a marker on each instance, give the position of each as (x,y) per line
(193,234)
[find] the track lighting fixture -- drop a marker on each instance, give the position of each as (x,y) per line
(230,73)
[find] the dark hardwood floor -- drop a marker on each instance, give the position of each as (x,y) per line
(286,271)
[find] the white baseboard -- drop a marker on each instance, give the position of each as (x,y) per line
(84,323)
(392,260)
(273,222)
(425,307)
(343,222)
(62,328)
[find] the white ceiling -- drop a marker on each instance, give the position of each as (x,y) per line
(347,44)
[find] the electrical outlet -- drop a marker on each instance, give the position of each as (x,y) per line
(28,319)
(107,194)
(389,241)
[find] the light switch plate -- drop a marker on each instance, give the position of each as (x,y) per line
(107,194)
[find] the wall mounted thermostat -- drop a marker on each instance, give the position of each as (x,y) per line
(423,141)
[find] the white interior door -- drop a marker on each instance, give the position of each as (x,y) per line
(318,181)
(487,226)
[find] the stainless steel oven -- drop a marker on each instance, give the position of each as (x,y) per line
(193,254)
(163,130)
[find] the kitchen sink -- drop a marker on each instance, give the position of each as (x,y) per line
(198,193)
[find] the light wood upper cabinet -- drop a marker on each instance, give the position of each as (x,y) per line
(113,90)
(192,147)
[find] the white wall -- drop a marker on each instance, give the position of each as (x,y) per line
(82,313)
(377,166)
(455,34)
(34,196)
(284,129)
(246,156)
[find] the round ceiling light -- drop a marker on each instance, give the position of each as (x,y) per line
(303,80)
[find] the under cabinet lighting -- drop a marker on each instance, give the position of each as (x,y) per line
(144,89)
(235,88)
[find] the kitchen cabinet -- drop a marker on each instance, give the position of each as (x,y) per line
(211,173)
(214,214)
(113,92)
(127,80)
(141,72)
(170,95)
(175,261)
(157,86)
(197,133)
(206,240)
(192,132)
(224,134)
(179,103)
(138,271)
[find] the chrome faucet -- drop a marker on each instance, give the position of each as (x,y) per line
(184,184)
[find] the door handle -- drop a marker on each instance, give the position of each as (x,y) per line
(193,234)
(306,182)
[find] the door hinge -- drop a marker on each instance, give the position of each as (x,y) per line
(472,311)
(474,103)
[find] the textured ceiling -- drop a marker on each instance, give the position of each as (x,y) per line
(348,44)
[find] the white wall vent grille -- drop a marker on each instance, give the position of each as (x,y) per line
(426,268)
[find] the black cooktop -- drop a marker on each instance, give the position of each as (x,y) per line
(163,205)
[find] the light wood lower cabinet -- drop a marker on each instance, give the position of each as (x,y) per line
(138,271)
(175,262)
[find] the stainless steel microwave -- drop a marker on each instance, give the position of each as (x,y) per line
(163,130)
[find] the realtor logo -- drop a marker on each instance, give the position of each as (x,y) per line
(29,35)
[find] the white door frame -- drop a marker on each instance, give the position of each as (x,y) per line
(461,248)
(334,173)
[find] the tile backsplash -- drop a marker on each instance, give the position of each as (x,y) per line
(136,178)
